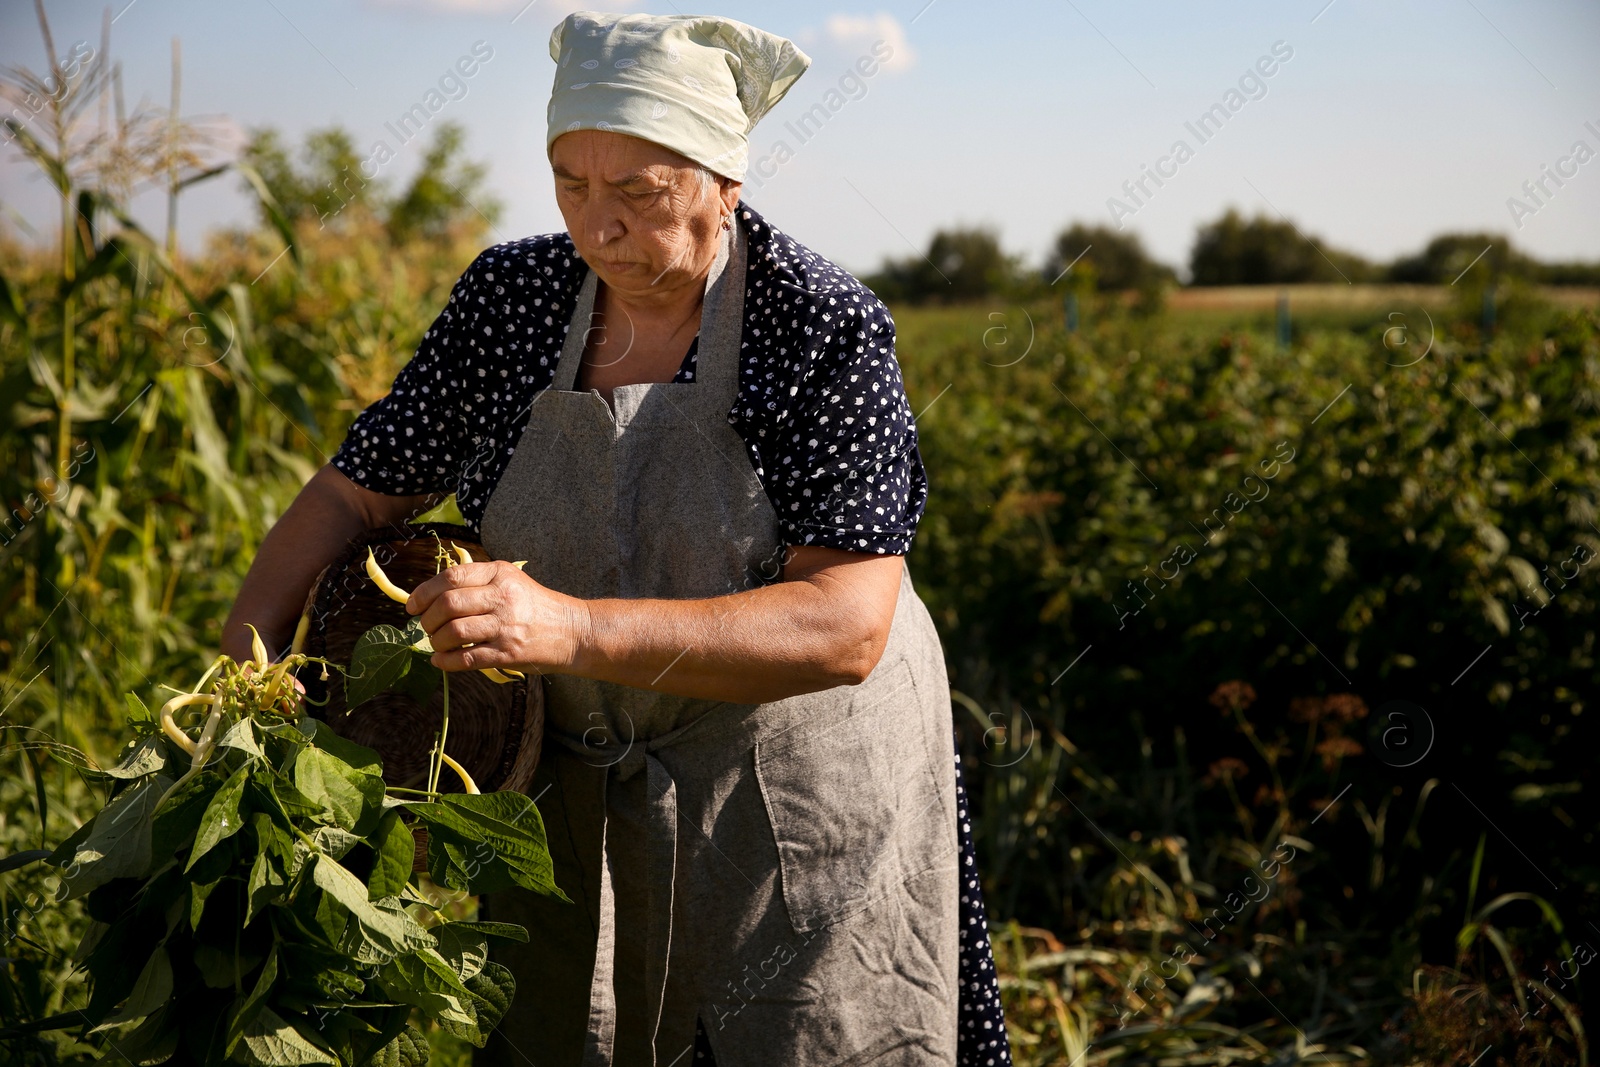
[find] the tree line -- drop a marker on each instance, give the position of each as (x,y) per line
(969,263)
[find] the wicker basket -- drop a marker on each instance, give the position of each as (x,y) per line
(495,729)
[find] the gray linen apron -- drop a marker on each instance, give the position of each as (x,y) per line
(786,871)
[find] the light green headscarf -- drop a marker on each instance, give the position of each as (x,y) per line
(696,84)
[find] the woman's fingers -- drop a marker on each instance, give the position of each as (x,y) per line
(460,577)
(471,630)
(460,603)
(493,615)
(474,658)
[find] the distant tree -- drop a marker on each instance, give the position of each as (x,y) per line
(1118,259)
(1448,255)
(326,180)
(962,264)
(329,181)
(444,188)
(1571,273)
(1264,251)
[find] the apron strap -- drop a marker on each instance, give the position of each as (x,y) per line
(721,321)
(660,826)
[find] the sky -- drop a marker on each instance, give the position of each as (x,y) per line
(1380,125)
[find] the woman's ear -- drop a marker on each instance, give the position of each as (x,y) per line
(730,194)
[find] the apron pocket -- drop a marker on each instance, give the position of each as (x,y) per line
(854,804)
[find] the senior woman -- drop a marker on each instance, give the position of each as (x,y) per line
(693,429)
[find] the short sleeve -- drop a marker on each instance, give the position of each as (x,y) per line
(414,440)
(846,472)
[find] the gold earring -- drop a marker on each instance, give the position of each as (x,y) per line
(727,222)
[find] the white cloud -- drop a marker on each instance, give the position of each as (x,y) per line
(857,34)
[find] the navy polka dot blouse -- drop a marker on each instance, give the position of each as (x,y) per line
(820,407)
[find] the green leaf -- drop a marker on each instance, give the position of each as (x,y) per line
(509,831)
(420,682)
(381,656)
(384,928)
(492,989)
(137,711)
(292,803)
(342,791)
(271,1042)
(222,818)
(144,756)
(22,859)
(447,510)
(266,882)
(219,966)
(417,638)
(395,851)
(150,991)
(409,1049)
(358,756)
(242,736)
(152,1041)
(466,950)
(502,931)
(63,853)
(119,844)
(334,841)
(250,1008)
(198,893)
(179,818)
(427,980)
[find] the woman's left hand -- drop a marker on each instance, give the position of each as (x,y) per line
(507,619)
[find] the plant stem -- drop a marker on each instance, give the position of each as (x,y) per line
(444,730)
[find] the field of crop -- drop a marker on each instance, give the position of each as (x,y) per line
(1273,658)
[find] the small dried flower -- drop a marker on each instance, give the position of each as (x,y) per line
(1347,707)
(1336,748)
(1226,768)
(1233,696)
(1307,709)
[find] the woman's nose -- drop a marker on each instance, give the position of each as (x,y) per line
(602,221)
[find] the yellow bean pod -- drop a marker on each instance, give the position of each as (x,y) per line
(258,648)
(171,728)
(381,580)
(300,632)
(466,779)
(462,554)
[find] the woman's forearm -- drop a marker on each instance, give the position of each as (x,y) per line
(751,647)
(825,624)
(315,528)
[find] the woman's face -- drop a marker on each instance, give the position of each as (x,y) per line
(638,213)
